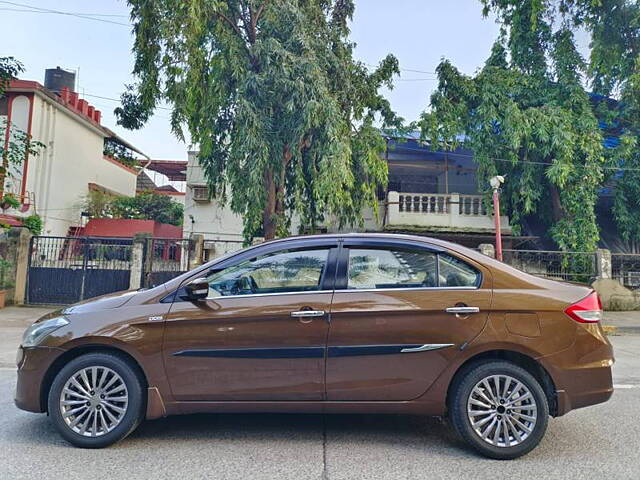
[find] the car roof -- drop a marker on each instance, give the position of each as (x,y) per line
(379,236)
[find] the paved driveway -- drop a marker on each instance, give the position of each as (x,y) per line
(598,442)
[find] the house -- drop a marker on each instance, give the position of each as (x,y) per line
(75,160)
(429,192)
(169,173)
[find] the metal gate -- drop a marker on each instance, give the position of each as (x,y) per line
(64,270)
(165,258)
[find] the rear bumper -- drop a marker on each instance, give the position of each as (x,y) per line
(32,369)
(582,373)
(576,397)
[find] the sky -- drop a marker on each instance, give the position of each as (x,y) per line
(420,33)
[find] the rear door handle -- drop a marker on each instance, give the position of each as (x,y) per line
(463,310)
(307,313)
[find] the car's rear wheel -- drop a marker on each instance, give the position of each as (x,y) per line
(96,400)
(499,408)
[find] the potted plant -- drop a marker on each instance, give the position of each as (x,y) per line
(9,201)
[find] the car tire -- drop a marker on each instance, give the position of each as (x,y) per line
(97,399)
(499,409)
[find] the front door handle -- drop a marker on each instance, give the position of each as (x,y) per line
(307,313)
(462,310)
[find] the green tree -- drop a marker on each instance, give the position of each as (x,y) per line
(626,207)
(527,115)
(144,206)
(269,91)
(614,69)
(20,143)
(147,206)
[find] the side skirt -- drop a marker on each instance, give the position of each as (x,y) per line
(415,407)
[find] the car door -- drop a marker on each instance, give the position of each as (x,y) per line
(261,333)
(400,313)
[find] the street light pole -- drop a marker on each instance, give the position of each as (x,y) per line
(495,184)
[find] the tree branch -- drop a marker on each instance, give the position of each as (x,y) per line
(260,10)
(231,24)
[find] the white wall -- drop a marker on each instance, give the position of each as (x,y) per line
(59,177)
(209,218)
(217,222)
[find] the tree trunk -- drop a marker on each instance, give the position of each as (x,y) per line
(274,206)
(4,168)
(556,204)
(269,213)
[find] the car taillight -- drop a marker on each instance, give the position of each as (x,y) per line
(587,310)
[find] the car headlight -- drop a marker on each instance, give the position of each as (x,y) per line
(39,331)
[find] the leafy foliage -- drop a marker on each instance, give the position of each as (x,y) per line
(117,151)
(33,223)
(269,91)
(9,68)
(626,208)
(528,115)
(149,206)
(9,201)
(145,206)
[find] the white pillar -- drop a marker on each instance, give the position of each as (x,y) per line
(393,208)
(454,210)
(137,261)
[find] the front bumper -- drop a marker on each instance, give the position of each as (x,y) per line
(32,372)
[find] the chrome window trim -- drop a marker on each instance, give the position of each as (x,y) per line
(247,295)
(350,290)
(407,289)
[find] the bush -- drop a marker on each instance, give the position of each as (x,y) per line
(145,206)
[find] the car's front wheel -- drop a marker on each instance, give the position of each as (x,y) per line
(96,400)
(499,408)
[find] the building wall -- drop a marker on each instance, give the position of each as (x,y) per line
(207,218)
(218,222)
(57,180)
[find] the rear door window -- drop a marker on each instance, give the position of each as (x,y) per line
(453,272)
(385,268)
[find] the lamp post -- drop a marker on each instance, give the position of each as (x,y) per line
(495,184)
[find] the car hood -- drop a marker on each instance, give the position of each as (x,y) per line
(105,302)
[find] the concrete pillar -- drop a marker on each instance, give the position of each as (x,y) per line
(393,208)
(197,252)
(454,209)
(603,263)
(22,267)
(137,265)
(487,249)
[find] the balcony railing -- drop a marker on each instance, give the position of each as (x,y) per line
(445,211)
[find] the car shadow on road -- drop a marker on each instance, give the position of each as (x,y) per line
(335,434)
(407,430)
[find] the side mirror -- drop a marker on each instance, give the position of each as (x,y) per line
(197,289)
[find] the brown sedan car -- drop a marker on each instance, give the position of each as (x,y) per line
(331,324)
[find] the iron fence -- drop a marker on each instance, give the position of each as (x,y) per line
(574,266)
(166,258)
(625,267)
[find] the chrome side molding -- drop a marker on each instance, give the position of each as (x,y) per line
(427,347)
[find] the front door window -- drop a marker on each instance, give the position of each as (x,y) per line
(281,272)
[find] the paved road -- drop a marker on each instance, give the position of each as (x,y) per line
(599,442)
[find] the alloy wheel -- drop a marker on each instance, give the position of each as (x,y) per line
(502,410)
(94,401)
